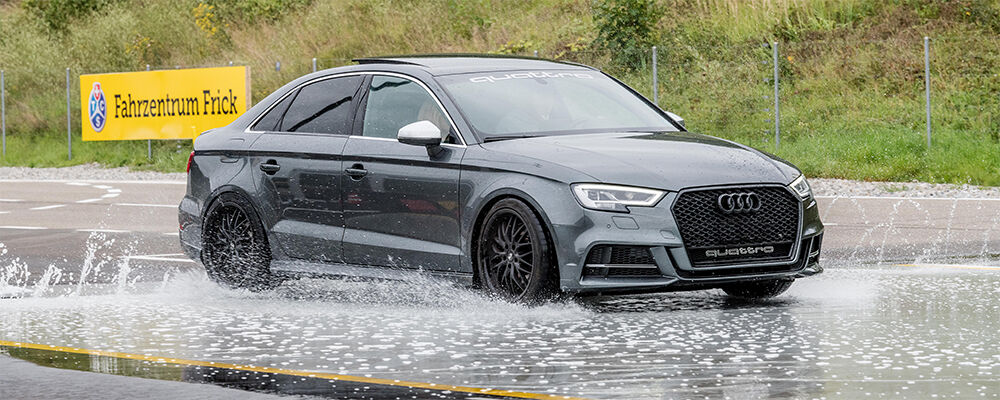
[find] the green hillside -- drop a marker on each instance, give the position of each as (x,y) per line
(852,80)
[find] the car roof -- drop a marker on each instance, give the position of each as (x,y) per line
(447,64)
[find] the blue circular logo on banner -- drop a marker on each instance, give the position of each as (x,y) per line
(98,108)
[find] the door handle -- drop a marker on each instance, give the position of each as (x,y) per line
(270,167)
(356,172)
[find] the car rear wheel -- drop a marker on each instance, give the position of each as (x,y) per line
(236,253)
(513,254)
(758,289)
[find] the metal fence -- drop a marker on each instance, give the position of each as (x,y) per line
(758,90)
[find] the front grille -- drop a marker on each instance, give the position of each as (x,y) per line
(713,237)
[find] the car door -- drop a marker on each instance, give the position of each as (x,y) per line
(298,167)
(401,201)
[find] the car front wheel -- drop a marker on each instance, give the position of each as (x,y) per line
(513,254)
(757,290)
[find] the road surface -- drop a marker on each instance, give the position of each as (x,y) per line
(908,308)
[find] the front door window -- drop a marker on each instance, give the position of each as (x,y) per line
(396,102)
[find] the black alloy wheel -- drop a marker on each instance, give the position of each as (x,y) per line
(513,254)
(236,253)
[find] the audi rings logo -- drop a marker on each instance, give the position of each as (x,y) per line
(739,203)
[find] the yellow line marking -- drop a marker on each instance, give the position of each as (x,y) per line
(956,266)
(283,371)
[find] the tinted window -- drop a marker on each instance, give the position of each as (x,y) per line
(273,117)
(322,107)
(396,102)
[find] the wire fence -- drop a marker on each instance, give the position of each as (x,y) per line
(762,94)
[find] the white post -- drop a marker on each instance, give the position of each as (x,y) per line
(149,142)
(777,113)
(69,134)
(3,116)
(927,85)
(314,64)
(656,89)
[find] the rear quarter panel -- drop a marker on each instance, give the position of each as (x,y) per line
(220,165)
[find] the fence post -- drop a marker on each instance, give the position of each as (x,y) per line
(314,64)
(69,133)
(149,142)
(656,94)
(777,113)
(927,85)
(3,116)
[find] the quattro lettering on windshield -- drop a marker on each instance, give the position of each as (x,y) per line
(529,75)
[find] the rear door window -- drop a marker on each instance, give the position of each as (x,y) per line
(323,107)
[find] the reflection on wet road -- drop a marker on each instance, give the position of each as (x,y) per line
(856,331)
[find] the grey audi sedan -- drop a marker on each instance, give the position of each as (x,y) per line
(523,177)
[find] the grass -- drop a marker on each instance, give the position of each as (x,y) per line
(851,70)
(51,151)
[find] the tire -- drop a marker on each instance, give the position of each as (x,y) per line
(235,249)
(757,290)
(513,254)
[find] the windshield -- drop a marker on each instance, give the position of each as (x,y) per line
(543,103)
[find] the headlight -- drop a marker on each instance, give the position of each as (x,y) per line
(801,187)
(615,198)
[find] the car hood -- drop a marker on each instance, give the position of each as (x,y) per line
(670,161)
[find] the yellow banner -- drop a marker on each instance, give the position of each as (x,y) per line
(168,104)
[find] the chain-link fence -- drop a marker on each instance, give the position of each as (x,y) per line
(766,95)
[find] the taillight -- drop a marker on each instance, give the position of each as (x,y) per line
(190,159)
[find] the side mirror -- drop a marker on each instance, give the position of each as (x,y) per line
(420,133)
(676,118)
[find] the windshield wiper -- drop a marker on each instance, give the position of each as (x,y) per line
(499,138)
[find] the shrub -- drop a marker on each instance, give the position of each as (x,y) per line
(469,16)
(250,11)
(626,29)
(56,14)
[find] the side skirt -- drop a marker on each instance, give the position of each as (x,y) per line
(301,268)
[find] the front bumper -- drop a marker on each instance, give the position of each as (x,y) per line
(668,267)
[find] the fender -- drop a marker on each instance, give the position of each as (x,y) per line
(479,207)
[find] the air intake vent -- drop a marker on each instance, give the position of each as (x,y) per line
(621,261)
(620,255)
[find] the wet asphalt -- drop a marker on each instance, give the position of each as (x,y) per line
(909,307)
